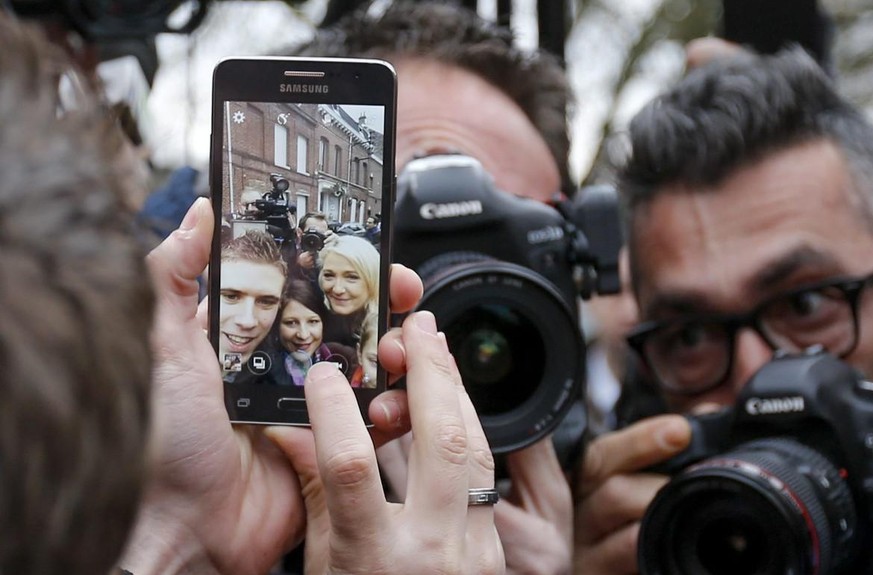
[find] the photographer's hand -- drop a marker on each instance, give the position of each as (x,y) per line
(535,519)
(612,495)
(330,238)
(306,260)
(351,526)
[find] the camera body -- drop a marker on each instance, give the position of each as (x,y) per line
(273,206)
(781,482)
(271,213)
(502,274)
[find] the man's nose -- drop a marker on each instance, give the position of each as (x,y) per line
(750,354)
(246,316)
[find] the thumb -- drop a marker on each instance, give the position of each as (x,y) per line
(704,408)
(298,445)
(177,262)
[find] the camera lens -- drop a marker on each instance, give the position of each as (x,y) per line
(770,506)
(499,361)
(516,343)
(312,241)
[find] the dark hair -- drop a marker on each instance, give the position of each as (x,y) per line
(732,112)
(306,293)
(74,331)
(454,35)
(311,216)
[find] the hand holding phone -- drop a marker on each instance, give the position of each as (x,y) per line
(351,527)
(294,136)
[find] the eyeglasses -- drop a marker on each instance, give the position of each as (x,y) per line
(693,354)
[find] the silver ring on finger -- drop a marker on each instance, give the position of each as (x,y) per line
(482,496)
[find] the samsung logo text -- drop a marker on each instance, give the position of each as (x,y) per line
(432,211)
(303,88)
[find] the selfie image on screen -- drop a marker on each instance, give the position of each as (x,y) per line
(299,241)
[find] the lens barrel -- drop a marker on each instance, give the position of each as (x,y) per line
(768,507)
(312,241)
(516,342)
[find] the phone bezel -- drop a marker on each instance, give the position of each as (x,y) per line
(350,81)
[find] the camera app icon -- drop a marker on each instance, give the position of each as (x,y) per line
(260,363)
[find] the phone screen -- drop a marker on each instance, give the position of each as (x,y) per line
(300,272)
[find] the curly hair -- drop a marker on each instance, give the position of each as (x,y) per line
(736,110)
(74,332)
(733,112)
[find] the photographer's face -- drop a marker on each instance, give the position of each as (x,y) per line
(300,328)
(443,108)
(313,225)
(784,222)
(247,201)
(343,285)
(250,295)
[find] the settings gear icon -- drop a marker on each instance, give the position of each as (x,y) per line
(239,117)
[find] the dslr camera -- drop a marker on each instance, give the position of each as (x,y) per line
(779,483)
(502,275)
(312,240)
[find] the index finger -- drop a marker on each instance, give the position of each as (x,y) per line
(438,462)
(631,449)
(346,456)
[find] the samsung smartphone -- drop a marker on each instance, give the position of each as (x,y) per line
(293,141)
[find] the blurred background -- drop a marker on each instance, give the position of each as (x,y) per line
(619,54)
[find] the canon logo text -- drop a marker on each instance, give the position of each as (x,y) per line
(775,405)
(432,211)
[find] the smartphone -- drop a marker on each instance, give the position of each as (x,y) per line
(302,178)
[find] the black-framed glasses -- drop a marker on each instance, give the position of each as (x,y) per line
(692,354)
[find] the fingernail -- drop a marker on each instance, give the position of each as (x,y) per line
(392,412)
(399,343)
(426,322)
(442,337)
(673,435)
(191,217)
(321,371)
